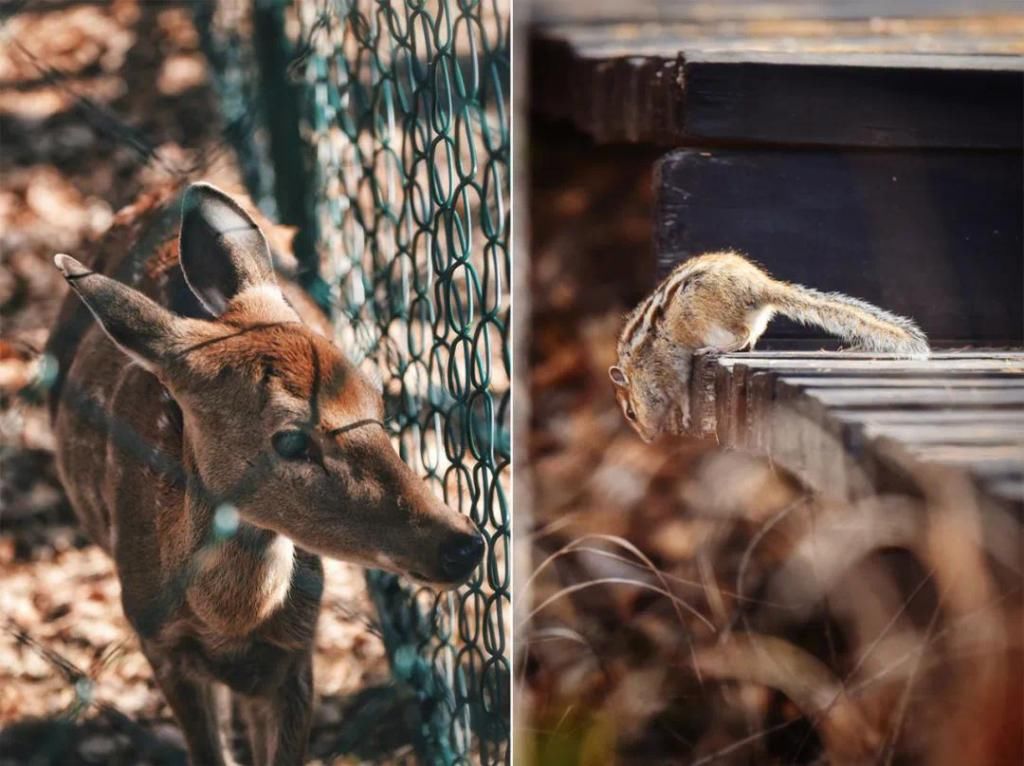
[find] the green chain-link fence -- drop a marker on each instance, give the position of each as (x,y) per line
(402,122)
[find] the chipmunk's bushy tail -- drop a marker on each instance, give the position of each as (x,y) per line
(867,327)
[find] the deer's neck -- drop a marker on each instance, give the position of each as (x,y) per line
(240,574)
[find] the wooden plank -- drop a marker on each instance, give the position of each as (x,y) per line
(934,236)
(995,449)
(835,345)
(940,416)
(631,98)
(799,434)
(703,418)
(1007,354)
(723,413)
(865,82)
(825,430)
(896,380)
(860,367)
(662,11)
(714,397)
(761,396)
(958,434)
(877,100)
(1002,354)
(917,398)
(730,391)
(985,460)
(841,459)
(906,43)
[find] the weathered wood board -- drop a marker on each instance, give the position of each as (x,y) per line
(662,11)
(935,236)
(823,415)
(918,82)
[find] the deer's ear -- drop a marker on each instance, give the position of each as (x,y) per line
(148,332)
(222,250)
(618,376)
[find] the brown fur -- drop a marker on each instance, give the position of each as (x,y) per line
(171,466)
(723,302)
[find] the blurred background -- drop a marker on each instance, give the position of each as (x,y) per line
(690,602)
(315,111)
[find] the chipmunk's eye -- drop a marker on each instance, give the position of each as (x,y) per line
(629,412)
(293,445)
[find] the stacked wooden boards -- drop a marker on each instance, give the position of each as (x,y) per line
(850,424)
(861,146)
(864,147)
(923,81)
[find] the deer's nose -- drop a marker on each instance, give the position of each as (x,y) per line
(460,555)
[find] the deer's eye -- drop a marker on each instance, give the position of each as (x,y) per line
(293,445)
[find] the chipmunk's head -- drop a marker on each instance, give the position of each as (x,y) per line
(642,395)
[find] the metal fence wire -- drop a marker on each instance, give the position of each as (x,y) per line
(404,128)
(380,128)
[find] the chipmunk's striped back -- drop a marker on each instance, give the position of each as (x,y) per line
(723,302)
(643,322)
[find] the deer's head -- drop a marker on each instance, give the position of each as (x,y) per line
(277,421)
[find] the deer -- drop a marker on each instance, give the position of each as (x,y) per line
(215,442)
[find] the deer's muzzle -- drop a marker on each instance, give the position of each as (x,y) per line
(460,555)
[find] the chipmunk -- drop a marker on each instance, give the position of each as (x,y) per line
(723,302)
